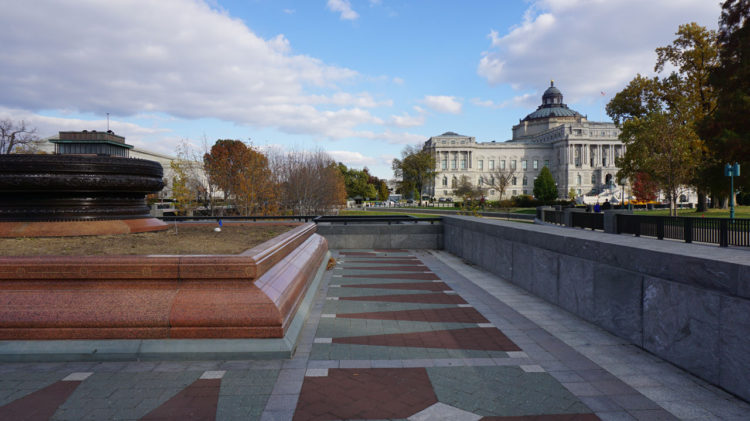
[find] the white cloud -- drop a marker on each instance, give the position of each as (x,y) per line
(353,159)
(176,57)
(442,103)
(343,7)
(588,46)
(524,100)
(289,11)
(408,120)
(398,81)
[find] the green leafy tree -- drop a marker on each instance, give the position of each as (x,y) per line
(545,188)
(670,106)
(383,192)
(416,169)
(727,129)
(572,194)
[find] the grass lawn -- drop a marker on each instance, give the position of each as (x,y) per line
(187,239)
(741,212)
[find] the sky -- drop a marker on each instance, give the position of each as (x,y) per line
(359,79)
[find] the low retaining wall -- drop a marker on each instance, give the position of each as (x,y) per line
(688,304)
(251,295)
(383,236)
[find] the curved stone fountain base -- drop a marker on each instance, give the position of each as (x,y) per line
(76,228)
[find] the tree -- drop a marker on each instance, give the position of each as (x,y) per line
(359,183)
(545,188)
(15,135)
(500,179)
(310,182)
(672,107)
(416,169)
(727,129)
(244,176)
(663,147)
(572,194)
(188,182)
(644,188)
(383,192)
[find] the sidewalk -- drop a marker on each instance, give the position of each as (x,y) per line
(396,334)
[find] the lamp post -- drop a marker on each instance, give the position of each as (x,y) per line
(731,171)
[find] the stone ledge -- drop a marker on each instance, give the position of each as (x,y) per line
(148,297)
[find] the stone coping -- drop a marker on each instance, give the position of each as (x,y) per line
(246,266)
(251,295)
(169,349)
(78,228)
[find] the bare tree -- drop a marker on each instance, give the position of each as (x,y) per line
(310,182)
(500,179)
(15,135)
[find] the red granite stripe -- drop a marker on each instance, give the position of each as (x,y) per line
(420,276)
(546,417)
(196,402)
(412,268)
(357,253)
(375,393)
(450,315)
(425,286)
(39,405)
(411,298)
(485,339)
(385,261)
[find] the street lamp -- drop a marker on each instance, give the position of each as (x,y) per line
(731,171)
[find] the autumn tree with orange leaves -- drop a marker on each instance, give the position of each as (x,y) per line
(243,174)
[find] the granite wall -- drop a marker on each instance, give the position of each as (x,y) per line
(689,304)
(382,236)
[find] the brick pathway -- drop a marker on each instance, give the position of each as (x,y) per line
(393,334)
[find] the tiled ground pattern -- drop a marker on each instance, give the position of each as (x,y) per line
(392,334)
(422,331)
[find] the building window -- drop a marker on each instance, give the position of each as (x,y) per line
(515,193)
(453,163)
(525,180)
(463,163)
(513,164)
(502,164)
(445,181)
(578,179)
(445,164)
(480,164)
(546,163)
(492,192)
(523,164)
(593,179)
(454,182)
(514,181)
(481,180)
(525,191)
(492,164)
(536,164)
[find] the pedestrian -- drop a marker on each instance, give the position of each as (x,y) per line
(597,208)
(606,205)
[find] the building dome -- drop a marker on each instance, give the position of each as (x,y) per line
(552,106)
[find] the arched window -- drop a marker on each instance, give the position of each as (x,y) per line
(454,182)
(445,181)
(514,181)
(578,179)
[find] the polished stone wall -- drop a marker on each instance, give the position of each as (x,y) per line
(689,304)
(382,236)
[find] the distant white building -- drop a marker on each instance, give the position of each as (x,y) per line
(580,154)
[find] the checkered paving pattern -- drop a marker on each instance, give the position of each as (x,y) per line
(393,334)
(416,329)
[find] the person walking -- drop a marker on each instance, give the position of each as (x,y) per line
(597,208)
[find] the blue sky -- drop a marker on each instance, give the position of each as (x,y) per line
(359,79)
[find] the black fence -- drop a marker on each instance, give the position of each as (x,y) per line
(594,221)
(299,218)
(552,217)
(721,231)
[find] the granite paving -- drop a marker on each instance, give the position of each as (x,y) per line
(392,334)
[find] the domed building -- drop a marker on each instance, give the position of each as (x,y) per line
(580,154)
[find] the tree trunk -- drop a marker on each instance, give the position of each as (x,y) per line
(702,202)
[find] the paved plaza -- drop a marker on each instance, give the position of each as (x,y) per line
(393,334)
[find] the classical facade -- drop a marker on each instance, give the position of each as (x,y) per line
(580,154)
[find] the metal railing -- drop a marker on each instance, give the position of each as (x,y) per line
(254,218)
(594,221)
(553,217)
(721,231)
